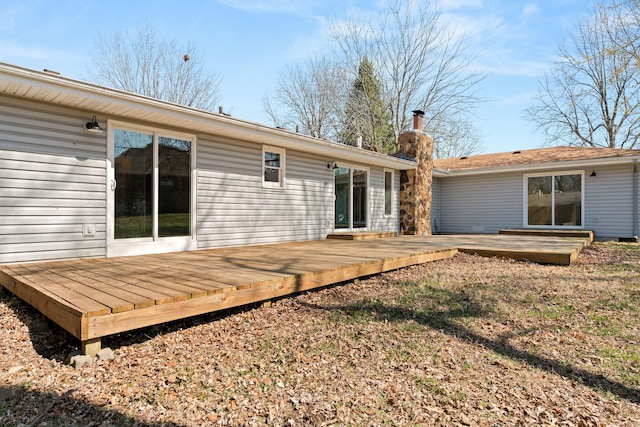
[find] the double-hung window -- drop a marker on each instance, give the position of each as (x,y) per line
(273,166)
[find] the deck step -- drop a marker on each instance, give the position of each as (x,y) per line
(585,234)
(364,235)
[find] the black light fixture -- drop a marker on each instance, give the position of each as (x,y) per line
(593,173)
(332,165)
(93,126)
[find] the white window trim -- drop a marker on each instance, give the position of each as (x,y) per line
(384,189)
(282,169)
(148,245)
(525,208)
(368,213)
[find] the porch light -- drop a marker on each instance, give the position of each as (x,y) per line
(332,165)
(593,173)
(93,126)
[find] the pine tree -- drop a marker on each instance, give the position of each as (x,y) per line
(366,113)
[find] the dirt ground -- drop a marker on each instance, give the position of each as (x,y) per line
(469,341)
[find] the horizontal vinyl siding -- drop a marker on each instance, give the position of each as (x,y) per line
(435,206)
(379,221)
(608,202)
(44,202)
(235,209)
(34,128)
(481,204)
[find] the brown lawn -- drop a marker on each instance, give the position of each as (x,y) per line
(467,341)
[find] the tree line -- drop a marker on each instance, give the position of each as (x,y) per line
(377,69)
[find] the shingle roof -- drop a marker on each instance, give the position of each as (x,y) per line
(532,157)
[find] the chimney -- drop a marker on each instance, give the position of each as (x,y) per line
(358,140)
(418,119)
(416,193)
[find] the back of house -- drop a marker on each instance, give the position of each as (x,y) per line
(88,171)
(565,188)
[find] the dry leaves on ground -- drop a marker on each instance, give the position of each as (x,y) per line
(466,341)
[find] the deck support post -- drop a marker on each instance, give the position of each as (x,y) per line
(91,347)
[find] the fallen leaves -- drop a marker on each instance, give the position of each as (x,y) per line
(466,341)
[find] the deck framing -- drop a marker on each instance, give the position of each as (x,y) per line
(94,298)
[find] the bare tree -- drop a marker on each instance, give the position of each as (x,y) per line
(309,98)
(456,137)
(420,63)
(625,28)
(417,63)
(591,97)
(145,65)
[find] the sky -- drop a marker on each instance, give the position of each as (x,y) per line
(251,42)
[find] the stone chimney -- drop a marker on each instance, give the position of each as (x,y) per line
(415,185)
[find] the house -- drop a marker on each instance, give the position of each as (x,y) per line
(564,188)
(88,171)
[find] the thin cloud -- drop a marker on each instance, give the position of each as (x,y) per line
(270,6)
(40,57)
(459,4)
(529,9)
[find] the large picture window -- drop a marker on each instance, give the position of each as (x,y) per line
(554,200)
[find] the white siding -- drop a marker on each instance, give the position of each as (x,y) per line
(379,221)
(29,127)
(481,203)
(235,209)
(52,182)
(488,203)
(435,206)
(608,201)
(44,202)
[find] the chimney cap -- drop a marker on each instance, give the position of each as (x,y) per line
(418,113)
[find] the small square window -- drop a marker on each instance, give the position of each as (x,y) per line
(273,161)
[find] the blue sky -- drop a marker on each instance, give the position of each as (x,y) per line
(249,42)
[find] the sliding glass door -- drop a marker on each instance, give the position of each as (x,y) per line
(351,201)
(554,200)
(152,190)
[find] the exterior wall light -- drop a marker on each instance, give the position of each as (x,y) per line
(93,126)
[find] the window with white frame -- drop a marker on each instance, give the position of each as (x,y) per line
(554,200)
(388,192)
(273,166)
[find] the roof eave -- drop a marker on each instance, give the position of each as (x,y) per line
(567,164)
(59,90)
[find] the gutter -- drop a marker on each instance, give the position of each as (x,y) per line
(567,164)
(121,105)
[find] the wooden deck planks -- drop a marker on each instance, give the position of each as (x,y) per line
(98,297)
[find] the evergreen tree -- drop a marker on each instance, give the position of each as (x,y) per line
(366,113)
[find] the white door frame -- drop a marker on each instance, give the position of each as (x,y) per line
(154,244)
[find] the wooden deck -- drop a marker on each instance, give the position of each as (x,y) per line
(94,298)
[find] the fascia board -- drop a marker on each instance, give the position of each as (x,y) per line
(570,164)
(102,100)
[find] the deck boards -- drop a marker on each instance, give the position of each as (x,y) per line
(94,298)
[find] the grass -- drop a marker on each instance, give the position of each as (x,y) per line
(464,341)
(577,318)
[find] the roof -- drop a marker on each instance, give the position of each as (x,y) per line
(44,87)
(534,159)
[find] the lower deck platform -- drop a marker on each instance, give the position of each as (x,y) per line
(94,298)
